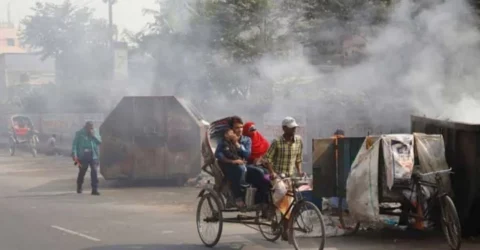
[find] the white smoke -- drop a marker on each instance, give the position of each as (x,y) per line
(423,60)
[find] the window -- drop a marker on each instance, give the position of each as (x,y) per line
(10,42)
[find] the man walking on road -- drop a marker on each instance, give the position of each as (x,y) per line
(285,155)
(85,153)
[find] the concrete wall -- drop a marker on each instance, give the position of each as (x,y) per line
(23,68)
(9,34)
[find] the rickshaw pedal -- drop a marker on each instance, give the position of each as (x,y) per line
(245,217)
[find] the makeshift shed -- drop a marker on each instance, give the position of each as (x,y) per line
(382,171)
(462,151)
(154,137)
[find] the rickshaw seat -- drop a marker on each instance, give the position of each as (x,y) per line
(301,184)
(21,131)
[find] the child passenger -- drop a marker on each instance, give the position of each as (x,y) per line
(233,165)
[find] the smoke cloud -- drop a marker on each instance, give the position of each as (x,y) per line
(422,60)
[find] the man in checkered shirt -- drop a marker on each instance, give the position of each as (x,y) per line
(286,152)
(285,155)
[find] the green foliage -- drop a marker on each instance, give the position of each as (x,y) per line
(55,29)
(211,46)
(72,36)
(240,27)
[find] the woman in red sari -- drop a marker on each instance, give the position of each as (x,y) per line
(256,174)
(260,145)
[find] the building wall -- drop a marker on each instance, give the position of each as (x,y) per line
(9,42)
(18,70)
(3,87)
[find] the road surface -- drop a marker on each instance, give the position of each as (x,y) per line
(40,210)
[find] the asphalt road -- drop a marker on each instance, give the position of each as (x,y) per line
(40,210)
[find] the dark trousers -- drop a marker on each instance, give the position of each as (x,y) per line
(236,175)
(82,170)
(256,177)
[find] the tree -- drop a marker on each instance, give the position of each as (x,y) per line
(211,47)
(224,36)
(71,36)
(240,27)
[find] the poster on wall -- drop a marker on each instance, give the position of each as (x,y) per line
(68,123)
(121,63)
(398,156)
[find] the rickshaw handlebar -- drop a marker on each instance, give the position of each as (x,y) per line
(297,180)
(449,171)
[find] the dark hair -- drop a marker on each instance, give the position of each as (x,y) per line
(235,119)
(339,132)
(54,135)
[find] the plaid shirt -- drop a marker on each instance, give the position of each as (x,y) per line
(284,155)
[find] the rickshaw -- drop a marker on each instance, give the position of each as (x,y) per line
(22,132)
(216,202)
(402,175)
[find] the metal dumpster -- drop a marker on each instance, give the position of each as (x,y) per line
(154,137)
(328,180)
(462,151)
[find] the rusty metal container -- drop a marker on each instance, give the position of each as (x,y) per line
(462,151)
(332,163)
(149,138)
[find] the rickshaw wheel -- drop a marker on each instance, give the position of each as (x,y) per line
(298,223)
(12,147)
(451,223)
(209,217)
(274,230)
(349,228)
(33,148)
(34,152)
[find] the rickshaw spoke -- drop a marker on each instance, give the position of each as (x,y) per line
(269,227)
(209,220)
(307,222)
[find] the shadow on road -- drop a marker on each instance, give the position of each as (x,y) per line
(143,183)
(66,185)
(160,247)
(61,194)
(397,239)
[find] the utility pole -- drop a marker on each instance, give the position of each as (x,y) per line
(110,4)
(110,19)
(111,44)
(9,17)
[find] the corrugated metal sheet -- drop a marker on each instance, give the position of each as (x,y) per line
(329,172)
(462,151)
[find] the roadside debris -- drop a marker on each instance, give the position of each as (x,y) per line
(200,181)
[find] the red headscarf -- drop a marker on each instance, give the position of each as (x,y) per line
(260,145)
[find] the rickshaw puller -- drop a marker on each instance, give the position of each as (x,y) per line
(285,155)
